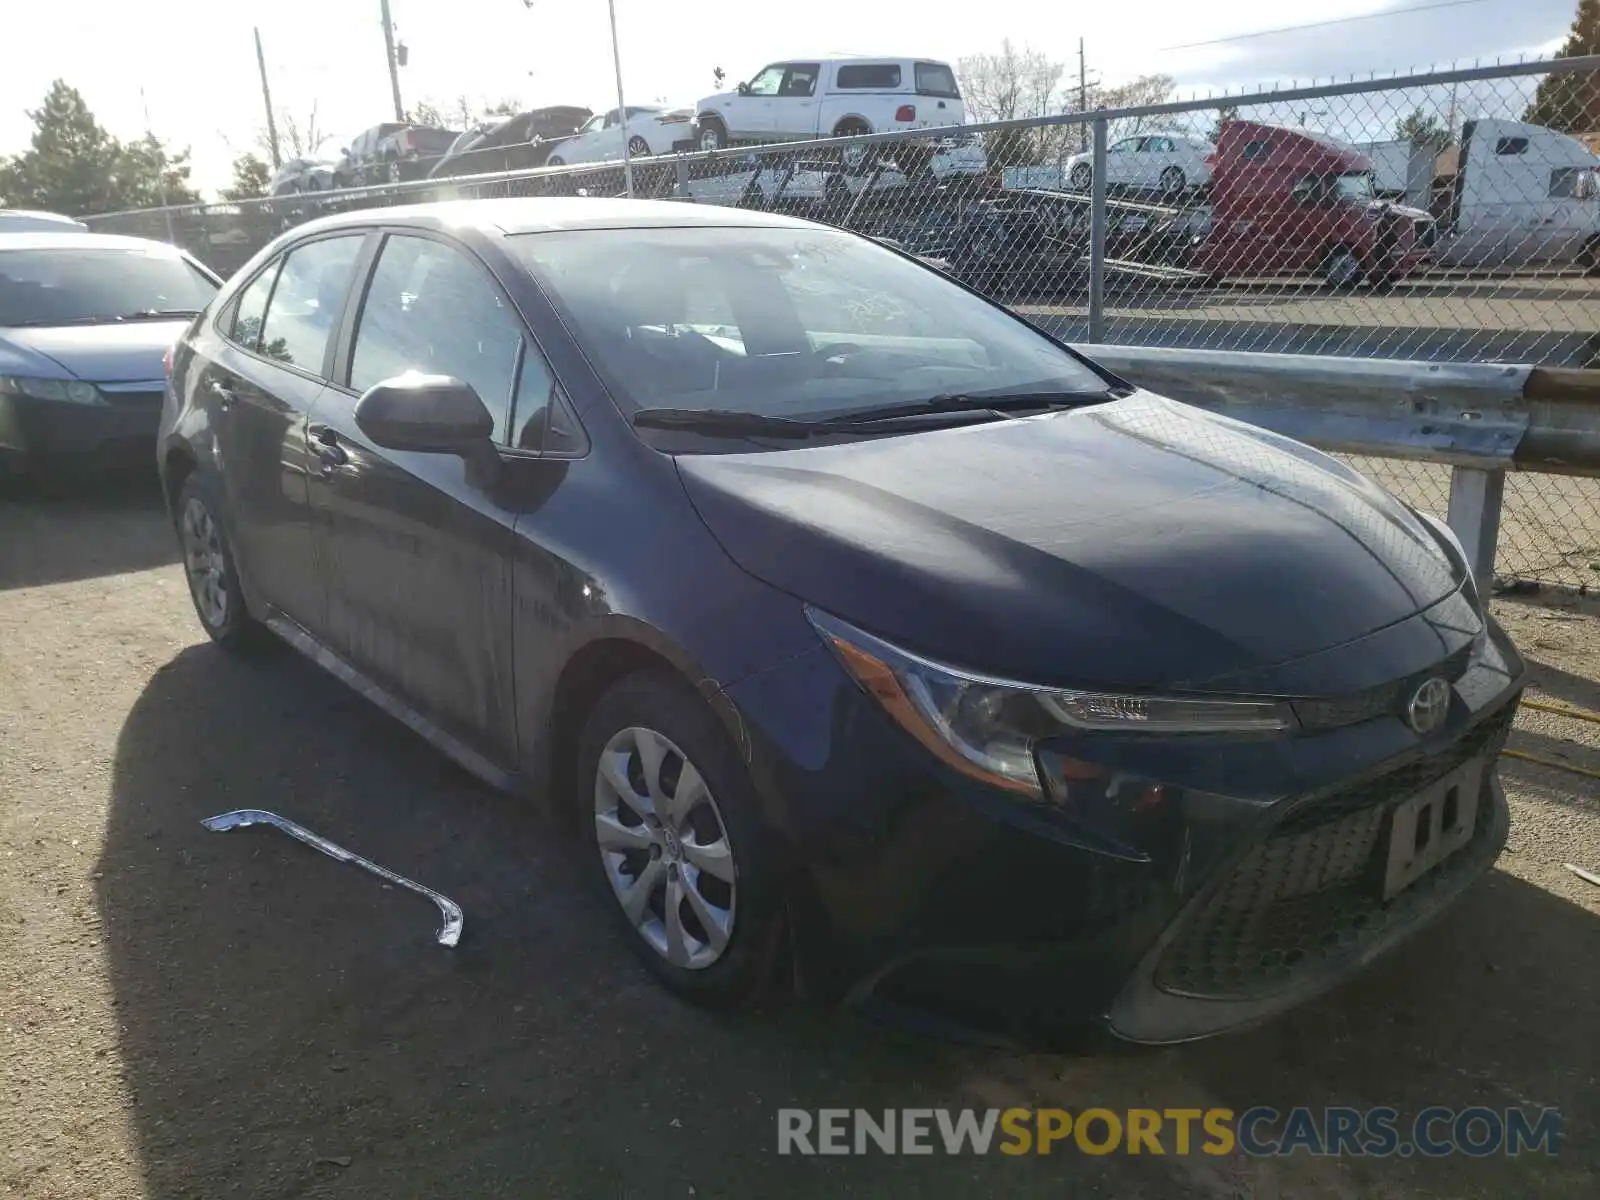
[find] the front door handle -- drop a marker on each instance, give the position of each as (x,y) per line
(325,445)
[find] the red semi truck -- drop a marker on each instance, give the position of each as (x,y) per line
(1290,201)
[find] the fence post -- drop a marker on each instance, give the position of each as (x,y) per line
(1475,501)
(680,168)
(1097,237)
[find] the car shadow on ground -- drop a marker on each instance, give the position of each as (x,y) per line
(290,1028)
(57,530)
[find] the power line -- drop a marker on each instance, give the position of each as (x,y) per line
(1389,12)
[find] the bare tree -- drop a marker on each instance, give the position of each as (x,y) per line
(297,140)
(1136,93)
(1011,85)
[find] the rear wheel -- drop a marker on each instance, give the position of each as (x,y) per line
(683,853)
(638,147)
(1081,176)
(209,565)
(713,134)
(857,158)
(1173,181)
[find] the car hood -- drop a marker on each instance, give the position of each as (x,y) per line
(99,353)
(1140,543)
(717,101)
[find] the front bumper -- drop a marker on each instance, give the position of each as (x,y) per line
(121,431)
(1190,887)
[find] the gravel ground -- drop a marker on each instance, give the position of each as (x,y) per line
(186,1014)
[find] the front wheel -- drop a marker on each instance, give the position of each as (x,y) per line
(1341,269)
(683,853)
(1173,181)
(209,564)
(638,147)
(1081,176)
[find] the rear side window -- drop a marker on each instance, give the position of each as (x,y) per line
(433,310)
(307,301)
(936,79)
(244,323)
(1256,150)
(1511,145)
(877,76)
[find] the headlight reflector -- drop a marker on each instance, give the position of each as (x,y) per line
(69,391)
(987,727)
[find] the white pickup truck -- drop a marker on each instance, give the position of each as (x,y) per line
(839,97)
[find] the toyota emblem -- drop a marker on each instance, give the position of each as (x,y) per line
(1428,706)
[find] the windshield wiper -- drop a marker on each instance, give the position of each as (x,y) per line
(734,423)
(963,402)
(159,314)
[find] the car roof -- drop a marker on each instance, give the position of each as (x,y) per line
(544,214)
(69,240)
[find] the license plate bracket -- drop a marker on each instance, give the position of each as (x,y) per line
(1430,826)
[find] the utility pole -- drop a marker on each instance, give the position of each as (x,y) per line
(266,96)
(622,108)
(1083,98)
(394,64)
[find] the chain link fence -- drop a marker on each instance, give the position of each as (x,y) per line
(1447,217)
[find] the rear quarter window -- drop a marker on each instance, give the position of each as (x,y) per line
(875,76)
(936,79)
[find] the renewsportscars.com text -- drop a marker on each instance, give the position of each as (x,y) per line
(1259,1132)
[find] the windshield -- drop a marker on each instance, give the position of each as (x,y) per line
(73,284)
(783,322)
(1356,185)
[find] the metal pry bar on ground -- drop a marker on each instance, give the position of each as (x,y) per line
(449,933)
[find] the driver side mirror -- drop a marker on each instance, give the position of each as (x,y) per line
(432,414)
(743,89)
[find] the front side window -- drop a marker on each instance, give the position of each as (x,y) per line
(77,286)
(768,82)
(1126,146)
(783,322)
(876,76)
(1356,185)
(307,301)
(432,310)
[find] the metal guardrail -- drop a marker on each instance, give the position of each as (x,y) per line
(1481,421)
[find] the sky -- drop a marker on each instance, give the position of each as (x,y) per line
(191,65)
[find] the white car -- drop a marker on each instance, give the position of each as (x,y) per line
(820,98)
(22,220)
(649,129)
(1170,163)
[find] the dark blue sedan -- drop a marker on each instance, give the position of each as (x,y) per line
(877,640)
(85,321)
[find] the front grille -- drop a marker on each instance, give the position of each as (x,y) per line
(1312,889)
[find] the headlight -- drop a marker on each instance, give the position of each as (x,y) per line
(987,728)
(68,391)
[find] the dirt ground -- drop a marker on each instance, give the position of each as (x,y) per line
(188,1014)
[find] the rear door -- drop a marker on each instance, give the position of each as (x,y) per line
(264,373)
(794,109)
(415,548)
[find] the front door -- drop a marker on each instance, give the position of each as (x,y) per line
(263,378)
(752,114)
(415,547)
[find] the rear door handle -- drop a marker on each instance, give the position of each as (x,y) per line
(325,445)
(222,392)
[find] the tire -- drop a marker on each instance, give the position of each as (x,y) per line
(654,709)
(859,159)
(1341,269)
(1081,176)
(1589,259)
(394,172)
(713,134)
(555,160)
(638,147)
(1173,181)
(210,570)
